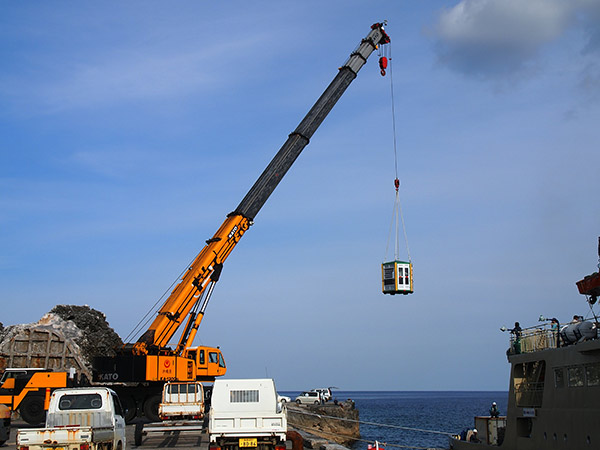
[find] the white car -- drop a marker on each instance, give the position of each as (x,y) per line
(325,393)
(283,398)
(309,397)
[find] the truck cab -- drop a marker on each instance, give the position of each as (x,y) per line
(90,418)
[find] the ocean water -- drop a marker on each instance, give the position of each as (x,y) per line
(445,411)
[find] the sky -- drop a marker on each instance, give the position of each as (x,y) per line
(128,131)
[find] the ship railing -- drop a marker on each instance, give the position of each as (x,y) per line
(534,339)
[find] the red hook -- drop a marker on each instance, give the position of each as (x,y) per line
(383,63)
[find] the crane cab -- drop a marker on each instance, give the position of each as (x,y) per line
(397,277)
(209,362)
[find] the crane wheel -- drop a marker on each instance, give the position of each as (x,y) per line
(32,409)
(151,408)
(130,407)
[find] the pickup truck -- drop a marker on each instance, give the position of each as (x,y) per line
(245,413)
(181,409)
(79,418)
(182,401)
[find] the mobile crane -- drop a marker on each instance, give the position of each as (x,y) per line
(140,369)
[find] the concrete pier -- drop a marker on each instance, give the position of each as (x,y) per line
(323,427)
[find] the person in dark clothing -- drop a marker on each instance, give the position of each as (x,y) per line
(494,412)
(555,330)
(474,437)
(517,332)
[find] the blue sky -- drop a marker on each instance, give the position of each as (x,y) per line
(129,131)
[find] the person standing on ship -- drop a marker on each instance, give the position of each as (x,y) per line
(494,412)
(517,332)
(555,330)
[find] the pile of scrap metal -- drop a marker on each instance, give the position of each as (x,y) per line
(67,337)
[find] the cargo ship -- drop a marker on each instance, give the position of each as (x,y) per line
(554,391)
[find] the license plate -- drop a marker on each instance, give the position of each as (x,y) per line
(248,442)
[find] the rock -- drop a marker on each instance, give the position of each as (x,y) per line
(332,422)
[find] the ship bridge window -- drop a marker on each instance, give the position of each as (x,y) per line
(528,379)
(575,376)
(592,374)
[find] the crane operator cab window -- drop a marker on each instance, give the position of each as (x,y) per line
(216,358)
(397,277)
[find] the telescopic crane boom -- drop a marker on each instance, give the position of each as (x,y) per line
(205,269)
(139,369)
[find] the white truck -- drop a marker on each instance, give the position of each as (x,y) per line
(79,418)
(246,414)
(181,400)
(181,409)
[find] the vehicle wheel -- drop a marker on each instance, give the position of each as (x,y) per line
(317,402)
(130,408)
(298,402)
(151,408)
(32,410)
(137,436)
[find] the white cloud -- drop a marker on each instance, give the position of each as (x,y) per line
(499,38)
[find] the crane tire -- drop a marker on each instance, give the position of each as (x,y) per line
(130,407)
(151,408)
(32,409)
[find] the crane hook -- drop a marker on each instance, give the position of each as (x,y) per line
(383,63)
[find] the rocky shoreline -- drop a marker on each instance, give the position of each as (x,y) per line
(333,423)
